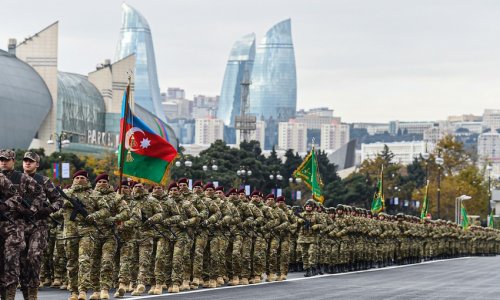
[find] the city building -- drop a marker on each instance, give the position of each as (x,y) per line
(334,136)
(465,118)
(255,135)
(273,92)
(208,131)
(135,38)
(488,147)
(491,118)
(24,96)
(404,152)
(205,106)
(174,93)
(292,135)
(398,127)
(372,128)
(239,67)
(345,156)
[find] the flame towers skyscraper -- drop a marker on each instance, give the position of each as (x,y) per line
(135,38)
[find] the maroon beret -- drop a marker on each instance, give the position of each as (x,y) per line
(209,185)
(280,199)
(255,193)
(101,177)
(183,180)
(219,188)
(81,173)
(231,191)
(126,182)
(134,183)
(173,184)
(242,191)
(198,183)
(270,196)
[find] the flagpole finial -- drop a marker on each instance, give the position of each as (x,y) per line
(313,142)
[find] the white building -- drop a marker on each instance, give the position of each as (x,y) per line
(333,136)
(208,131)
(491,118)
(292,135)
(259,134)
(409,127)
(372,128)
(488,147)
(404,152)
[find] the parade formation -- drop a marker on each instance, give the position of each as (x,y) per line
(142,238)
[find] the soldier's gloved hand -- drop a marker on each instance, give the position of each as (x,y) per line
(23,211)
(3,207)
(204,224)
(182,224)
(149,222)
(110,221)
(44,212)
(315,227)
(90,218)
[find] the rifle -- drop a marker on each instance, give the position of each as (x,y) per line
(307,223)
(155,228)
(4,217)
(28,206)
(78,208)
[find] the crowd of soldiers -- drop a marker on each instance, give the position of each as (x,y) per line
(147,239)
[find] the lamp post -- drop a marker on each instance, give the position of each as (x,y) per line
(276,177)
(187,163)
(292,180)
(489,168)
(243,173)
(425,156)
(62,140)
(214,168)
(439,162)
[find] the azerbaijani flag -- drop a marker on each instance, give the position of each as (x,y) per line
(309,172)
(378,202)
(425,205)
(142,154)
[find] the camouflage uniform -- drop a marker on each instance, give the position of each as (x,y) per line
(201,237)
(246,212)
(283,231)
(11,239)
(308,221)
(275,238)
(269,221)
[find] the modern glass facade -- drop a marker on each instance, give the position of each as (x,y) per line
(273,92)
(240,62)
(135,38)
(25,101)
(80,106)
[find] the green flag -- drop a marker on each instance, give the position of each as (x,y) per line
(491,222)
(425,204)
(309,172)
(465,218)
(378,202)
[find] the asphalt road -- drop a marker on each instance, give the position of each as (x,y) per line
(462,278)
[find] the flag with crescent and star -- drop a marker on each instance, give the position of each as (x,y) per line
(142,154)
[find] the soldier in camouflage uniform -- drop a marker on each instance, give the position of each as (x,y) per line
(106,244)
(250,216)
(146,212)
(322,256)
(264,237)
(284,235)
(37,236)
(59,256)
(11,235)
(281,225)
(309,226)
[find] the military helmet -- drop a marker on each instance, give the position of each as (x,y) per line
(310,202)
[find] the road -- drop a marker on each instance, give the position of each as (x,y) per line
(461,278)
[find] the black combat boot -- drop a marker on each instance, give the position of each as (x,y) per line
(321,269)
(308,273)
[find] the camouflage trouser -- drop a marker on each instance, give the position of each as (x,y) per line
(293,249)
(71,247)
(103,263)
(324,251)
(47,269)
(31,258)
(233,262)
(126,259)
(187,262)
(11,244)
(221,260)
(169,267)
(259,256)
(145,250)
(85,250)
(334,253)
(343,251)
(134,270)
(210,259)
(272,255)
(200,245)
(246,256)
(309,253)
(284,255)
(59,260)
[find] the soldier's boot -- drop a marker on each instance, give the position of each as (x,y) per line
(56,283)
(272,277)
(257,279)
(244,281)
(121,290)
(175,288)
(47,282)
(33,293)
(206,283)
(281,278)
(104,294)
(95,296)
(130,287)
(184,286)
(151,290)
(82,295)
(220,281)
(252,278)
(235,281)
(308,272)
(322,269)
(74,296)
(195,284)
(158,289)
(212,283)
(300,267)
(40,285)
(139,290)
(63,286)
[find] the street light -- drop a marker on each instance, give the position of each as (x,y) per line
(425,156)
(276,177)
(214,167)
(489,168)
(61,140)
(291,180)
(439,162)
(243,173)
(187,163)
(458,206)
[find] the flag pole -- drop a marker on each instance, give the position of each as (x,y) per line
(126,110)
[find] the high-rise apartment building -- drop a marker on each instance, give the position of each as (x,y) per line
(292,135)
(491,118)
(334,136)
(258,134)
(488,147)
(208,131)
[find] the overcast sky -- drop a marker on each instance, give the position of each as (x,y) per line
(369,60)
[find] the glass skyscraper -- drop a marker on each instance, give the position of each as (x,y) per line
(135,38)
(240,62)
(273,92)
